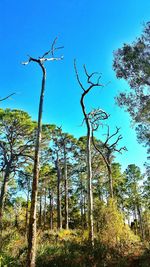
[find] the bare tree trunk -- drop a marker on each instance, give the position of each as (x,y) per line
(40,211)
(91,85)
(3,194)
(2,201)
(81,205)
(89,187)
(89,172)
(32,221)
(51,208)
(66,188)
(33,218)
(140,221)
(110,180)
(84,213)
(45,208)
(59,214)
(27,213)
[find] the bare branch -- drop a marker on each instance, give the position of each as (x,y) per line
(120,149)
(116,142)
(51,59)
(26,62)
(53,48)
(77,75)
(96,116)
(89,76)
(42,59)
(110,136)
(7,97)
(99,150)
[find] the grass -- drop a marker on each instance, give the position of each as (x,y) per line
(71,249)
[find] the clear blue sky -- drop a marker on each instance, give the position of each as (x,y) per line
(90,32)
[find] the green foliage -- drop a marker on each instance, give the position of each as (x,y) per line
(131,62)
(71,247)
(113,230)
(113,239)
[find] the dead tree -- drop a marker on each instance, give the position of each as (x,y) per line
(106,150)
(90,86)
(32,222)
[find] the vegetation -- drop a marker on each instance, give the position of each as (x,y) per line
(65,201)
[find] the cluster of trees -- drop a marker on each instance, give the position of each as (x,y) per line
(63,195)
(72,177)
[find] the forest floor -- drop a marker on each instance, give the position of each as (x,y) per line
(71,249)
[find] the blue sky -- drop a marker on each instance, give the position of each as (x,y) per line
(90,31)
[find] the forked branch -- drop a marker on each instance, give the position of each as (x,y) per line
(41,60)
(90,83)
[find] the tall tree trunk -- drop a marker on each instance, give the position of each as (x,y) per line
(32,221)
(40,211)
(66,188)
(110,180)
(89,185)
(140,221)
(3,193)
(84,212)
(51,208)
(81,205)
(59,214)
(2,201)
(27,213)
(45,208)
(89,171)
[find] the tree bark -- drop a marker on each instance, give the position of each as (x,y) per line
(51,208)
(81,205)
(140,221)
(45,208)
(110,180)
(3,193)
(40,212)
(90,194)
(89,172)
(27,214)
(32,221)
(85,212)
(88,146)
(66,188)
(59,214)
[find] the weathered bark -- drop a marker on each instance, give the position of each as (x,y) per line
(140,222)
(45,208)
(108,165)
(89,171)
(40,211)
(51,208)
(32,221)
(3,193)
(90,194)
(59,214)
(111,191)
(84,212)
(81,205)
(66,188)
(91,85)
(27,213)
